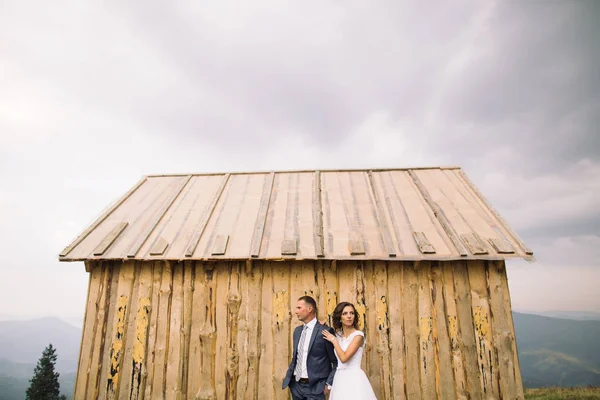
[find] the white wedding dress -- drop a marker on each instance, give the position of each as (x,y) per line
(350,381)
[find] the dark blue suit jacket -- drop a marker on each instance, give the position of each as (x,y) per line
(321,361)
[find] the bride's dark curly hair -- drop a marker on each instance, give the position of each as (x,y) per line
(336,317)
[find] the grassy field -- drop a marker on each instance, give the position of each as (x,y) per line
(584,393)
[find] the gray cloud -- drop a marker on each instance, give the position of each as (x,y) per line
(92,96)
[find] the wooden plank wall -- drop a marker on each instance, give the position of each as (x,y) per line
(193,330)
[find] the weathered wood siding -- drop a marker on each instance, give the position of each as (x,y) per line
(223,330)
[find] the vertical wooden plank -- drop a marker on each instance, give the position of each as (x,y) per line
(326,281)
(188,285)
(259,225)
(411,332)
(243,332)
(107,331)
(509,317)
(221,275)
(382,324)
(173,377)
(465,324)
(207,390)
(347,280)
(99,331)
(119,334)
(266,375)
(483,329)
(127,369)
(199,315)
(281,325)
(371,354)
(233,311)
(253,292)
(427,347)
(140,343)
(396,333)
(162,332)
(444,372)
(454,335)
(502,333)
(85,349)
(318,217)
(148,376)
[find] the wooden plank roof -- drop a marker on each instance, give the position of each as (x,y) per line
(384,214)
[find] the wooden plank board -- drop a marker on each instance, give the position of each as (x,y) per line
(253,294)
(243,331)
(162,332)
(440,215)
(444,375)
(97,342)
(140,344)
(259,225)
(465,324)
(155,219)
(381,308)
(318,217)
(159,247)
(381,218)
(127,368)
(486,353)
(119,333)
(423,243)
(501,246)
(199,317)
(101,219)
(110,238)
(219,302)
(148,376)
(503,339)
(188,287)
(173,373)
(95,291)
(220,245)
(289,247)
(474,244)
(210,208)
(108,333)
(427,356)
(508,310)
(372,351)
(454,335)
(396,331)
(281,325)
(487,204)
(233,316)
(410,298)
(208,336)
(267,382)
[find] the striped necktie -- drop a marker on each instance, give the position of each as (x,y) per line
(299,358)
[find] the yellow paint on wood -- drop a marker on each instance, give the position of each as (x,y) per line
(281,307)
(116,349)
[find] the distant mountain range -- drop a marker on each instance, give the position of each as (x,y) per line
(557,352)
(576,315)
(552,351)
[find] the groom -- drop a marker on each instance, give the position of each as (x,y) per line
(313,365)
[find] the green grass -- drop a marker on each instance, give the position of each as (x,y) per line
(584,393)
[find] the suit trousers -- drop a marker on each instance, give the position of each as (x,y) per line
(302,391)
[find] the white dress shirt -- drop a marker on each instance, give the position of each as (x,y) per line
(310,326)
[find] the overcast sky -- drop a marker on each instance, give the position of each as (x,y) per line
(93,96)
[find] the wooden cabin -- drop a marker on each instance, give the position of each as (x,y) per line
(193,280)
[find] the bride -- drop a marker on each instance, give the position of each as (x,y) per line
(350,381)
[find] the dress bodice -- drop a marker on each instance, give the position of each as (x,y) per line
(356,359)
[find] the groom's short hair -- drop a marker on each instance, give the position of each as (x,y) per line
(311,302)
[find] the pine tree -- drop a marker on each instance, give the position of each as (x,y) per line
(44,384)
